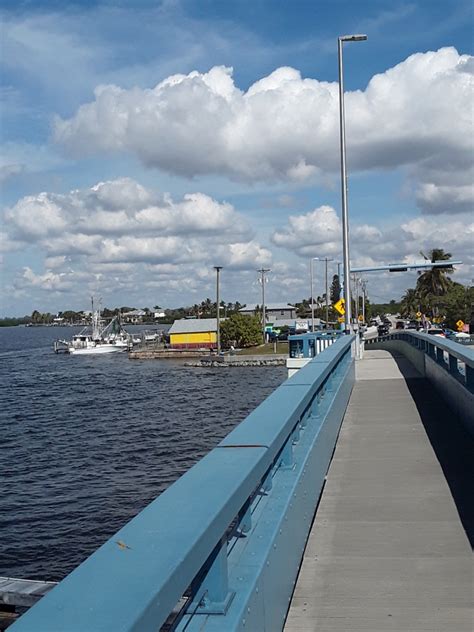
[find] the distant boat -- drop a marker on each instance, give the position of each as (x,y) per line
(97,339)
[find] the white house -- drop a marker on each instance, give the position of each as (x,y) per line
(134,316)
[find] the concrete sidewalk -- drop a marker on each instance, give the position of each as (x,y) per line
(388,550)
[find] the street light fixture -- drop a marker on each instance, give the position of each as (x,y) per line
(345,221)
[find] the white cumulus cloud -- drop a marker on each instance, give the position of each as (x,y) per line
(318,233)
(285,127)
(123,236)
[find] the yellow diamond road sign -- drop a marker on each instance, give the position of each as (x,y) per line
(339,306)
(418,314)
(460,324)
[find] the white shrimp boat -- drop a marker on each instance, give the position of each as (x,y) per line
(99,340)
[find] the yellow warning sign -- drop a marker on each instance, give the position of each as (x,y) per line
(361,318)
(340,319)
(418,314)
(460,324)
(339,307)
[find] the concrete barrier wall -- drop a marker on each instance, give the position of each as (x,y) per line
(455,394)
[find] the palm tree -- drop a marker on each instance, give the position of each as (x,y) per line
(410,303)
(434,283)
(36,316)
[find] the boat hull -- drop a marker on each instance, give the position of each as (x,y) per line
(98,350)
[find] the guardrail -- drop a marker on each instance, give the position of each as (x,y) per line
(219,549)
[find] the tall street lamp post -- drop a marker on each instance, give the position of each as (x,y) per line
(218,320)
(345,221)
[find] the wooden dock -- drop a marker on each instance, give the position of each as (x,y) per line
(19,593)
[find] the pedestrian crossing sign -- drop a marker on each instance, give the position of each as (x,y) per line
(339,307)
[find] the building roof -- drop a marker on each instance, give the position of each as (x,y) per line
(269,307)
(193,325)
(283,322)
(135,312)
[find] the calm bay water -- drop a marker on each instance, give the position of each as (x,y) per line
(87,442)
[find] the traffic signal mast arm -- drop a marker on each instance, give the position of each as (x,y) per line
(404,267)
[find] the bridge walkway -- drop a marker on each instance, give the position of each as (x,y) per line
(390,546)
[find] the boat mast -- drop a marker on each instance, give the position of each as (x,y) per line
(95,322)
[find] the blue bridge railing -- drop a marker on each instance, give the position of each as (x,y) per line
(448,365)
(220,549)
(456,359)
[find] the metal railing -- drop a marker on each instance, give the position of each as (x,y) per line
(226,539)
(457,359)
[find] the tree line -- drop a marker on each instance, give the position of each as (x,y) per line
(437,296)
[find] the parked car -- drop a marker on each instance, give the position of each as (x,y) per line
(400,324)
(436,331)
(449,333)
(413,324)
(383,330)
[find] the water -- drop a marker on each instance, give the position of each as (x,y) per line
(88,441)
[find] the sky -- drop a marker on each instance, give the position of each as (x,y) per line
(144,143)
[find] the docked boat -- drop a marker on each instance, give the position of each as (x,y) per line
(97,339)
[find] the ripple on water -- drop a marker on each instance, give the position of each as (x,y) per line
(88,442)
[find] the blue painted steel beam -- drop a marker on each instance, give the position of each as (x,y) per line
(461,352)
(134,580)
(264,565)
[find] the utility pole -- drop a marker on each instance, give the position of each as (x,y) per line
(263,272)
(325,259)
(355,294)
(218,323)
(341,287)
(327,294)
(364,290)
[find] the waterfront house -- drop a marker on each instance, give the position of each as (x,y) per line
(135,316)
(273,311)
(194,333)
